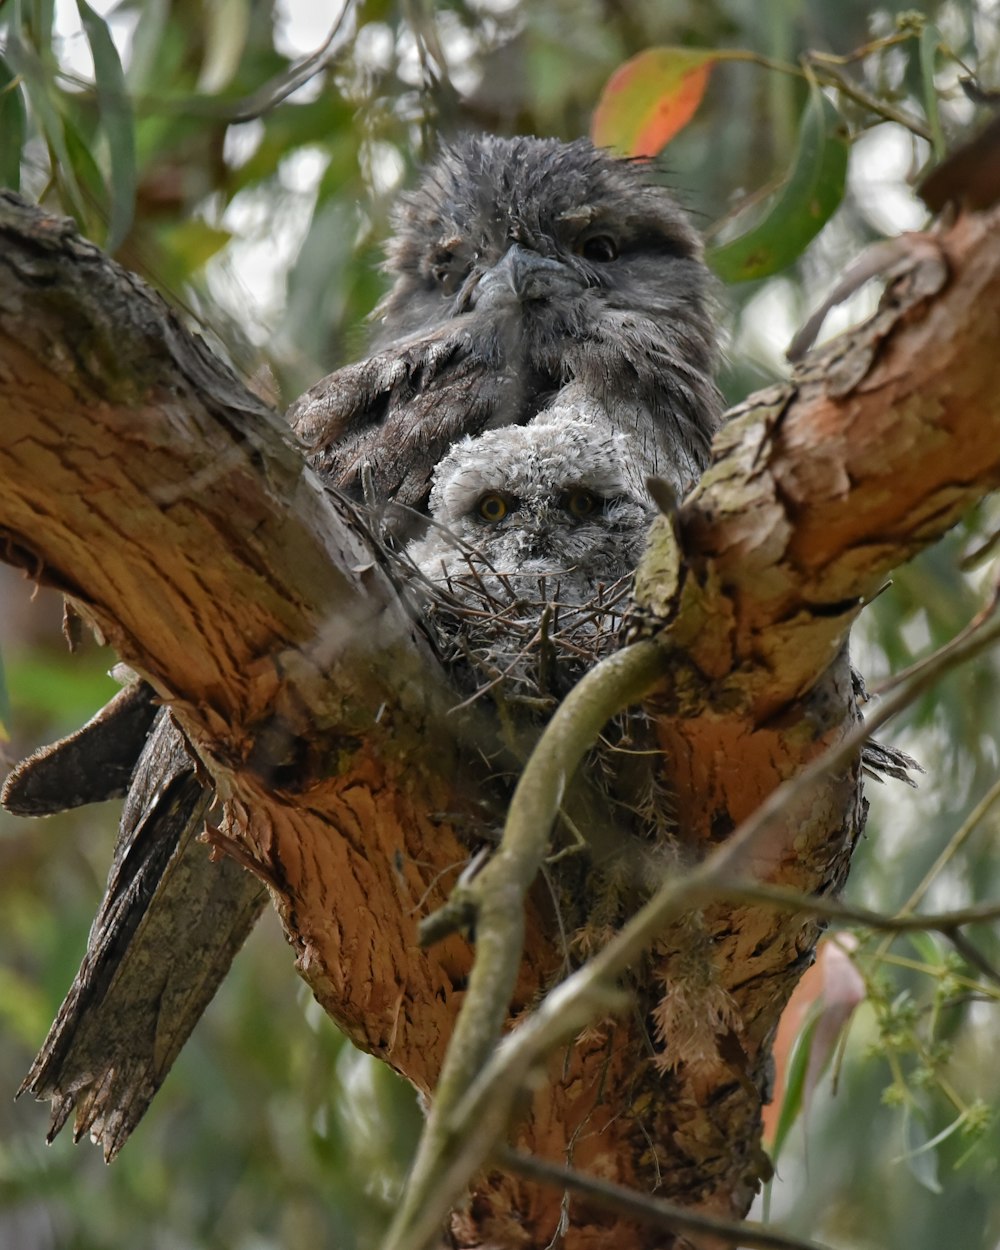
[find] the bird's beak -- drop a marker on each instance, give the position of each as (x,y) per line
(534,537)
(521,275)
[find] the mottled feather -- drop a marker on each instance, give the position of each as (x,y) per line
(527,272)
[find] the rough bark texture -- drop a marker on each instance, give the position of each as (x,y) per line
(139,477)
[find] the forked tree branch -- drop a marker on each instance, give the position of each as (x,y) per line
(175,510)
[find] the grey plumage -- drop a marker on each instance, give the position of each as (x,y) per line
(553,499)
(526,573)
(527,272)
(535,533)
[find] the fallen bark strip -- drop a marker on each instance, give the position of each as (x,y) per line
(142,479)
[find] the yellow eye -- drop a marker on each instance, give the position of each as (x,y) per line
(492,508)
(580,503)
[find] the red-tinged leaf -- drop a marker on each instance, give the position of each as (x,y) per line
(810,1027)
(650,98)
(843,990)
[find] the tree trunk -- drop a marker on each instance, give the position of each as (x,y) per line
(178,515)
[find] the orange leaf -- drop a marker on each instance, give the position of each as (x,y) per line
(650,98)
(828,993)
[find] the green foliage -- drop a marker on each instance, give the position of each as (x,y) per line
(116,122)
(13,126)
(809,198)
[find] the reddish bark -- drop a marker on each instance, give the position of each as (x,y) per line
(174,510)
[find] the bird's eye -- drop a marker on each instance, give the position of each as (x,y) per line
(580,503)
(493,508)
(449,271)
(601,248)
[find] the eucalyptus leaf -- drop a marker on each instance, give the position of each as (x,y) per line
(650,98)
(928,946)
(812,193)
(795,1083)
(930,39)
(47,109)
(117,121)
(13,127)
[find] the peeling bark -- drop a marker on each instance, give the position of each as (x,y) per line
(177,513)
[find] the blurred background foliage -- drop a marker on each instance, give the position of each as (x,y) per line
(243,156)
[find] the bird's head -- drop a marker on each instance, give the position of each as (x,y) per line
(543,497)
(550,233)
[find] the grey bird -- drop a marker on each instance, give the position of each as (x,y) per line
(551,499)
(526,272)
(532,523)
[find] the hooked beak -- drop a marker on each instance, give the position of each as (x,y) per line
(522,275)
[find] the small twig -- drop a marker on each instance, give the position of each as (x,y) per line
(438,1175)
(958,642)
(946,923)
(863,51)
(974,956)
(281,87)
(985,992)
(846,86)
(652,1211)
(958,839)
(980,553)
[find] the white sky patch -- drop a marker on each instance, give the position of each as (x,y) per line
(916,633)
(851,311)
(385,167)
(460,51)
(248,278)
(302,170)
(882,161)
(70,43)
(374,45)
(767,325)
(493,6)
(302,26)
(241,141)
(458,48)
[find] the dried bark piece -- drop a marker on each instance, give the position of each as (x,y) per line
(93,764)
(167,931)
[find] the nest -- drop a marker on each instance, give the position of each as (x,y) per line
(515,637)
(511,637)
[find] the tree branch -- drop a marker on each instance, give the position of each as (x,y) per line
(143,480)
(652,1211)
(702,593)
(480,1098)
